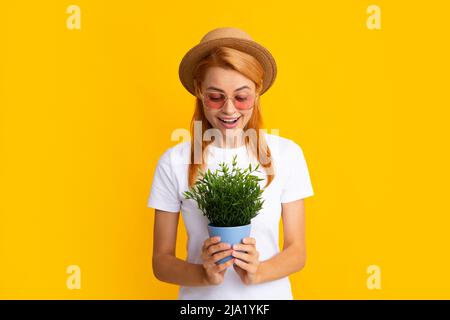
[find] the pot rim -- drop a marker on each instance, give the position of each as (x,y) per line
(245,225)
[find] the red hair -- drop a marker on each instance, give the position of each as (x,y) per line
(248,66)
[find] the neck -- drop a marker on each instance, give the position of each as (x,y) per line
(230,141)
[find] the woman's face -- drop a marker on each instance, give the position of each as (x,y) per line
(234,85)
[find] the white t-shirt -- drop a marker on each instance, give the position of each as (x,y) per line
(291,182)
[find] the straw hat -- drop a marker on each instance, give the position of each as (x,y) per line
(228,37)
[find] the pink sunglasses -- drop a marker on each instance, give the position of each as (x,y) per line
(216,100)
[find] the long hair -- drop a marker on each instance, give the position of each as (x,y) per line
(248,66)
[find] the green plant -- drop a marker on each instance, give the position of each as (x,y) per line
(228,199)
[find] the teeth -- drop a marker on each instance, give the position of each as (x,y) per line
(229,121)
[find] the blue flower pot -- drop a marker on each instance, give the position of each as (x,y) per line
(231,235)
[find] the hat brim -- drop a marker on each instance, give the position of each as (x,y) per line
(197,53)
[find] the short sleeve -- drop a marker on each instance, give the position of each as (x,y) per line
(297,184)
(164,191)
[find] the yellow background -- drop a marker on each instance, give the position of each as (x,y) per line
(85,115)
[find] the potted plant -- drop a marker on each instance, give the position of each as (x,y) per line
(229,199)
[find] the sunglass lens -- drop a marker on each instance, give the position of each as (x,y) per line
(243,102)
(215,100)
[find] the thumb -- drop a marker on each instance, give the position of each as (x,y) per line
(238,270)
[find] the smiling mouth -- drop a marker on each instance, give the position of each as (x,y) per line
(229,121)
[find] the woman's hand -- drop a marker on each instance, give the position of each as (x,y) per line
(247,263)
(212,252)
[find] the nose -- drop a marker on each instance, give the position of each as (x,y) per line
(229,107)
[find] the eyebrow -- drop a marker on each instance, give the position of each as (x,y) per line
(214,88)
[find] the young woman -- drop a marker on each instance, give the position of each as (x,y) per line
(228,72)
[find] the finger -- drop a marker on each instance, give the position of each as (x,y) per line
(244,256)
(218,247)
(210,241)
(211,260)
(244,265)
(224,265)
(241,272)
(249,248)
(221,255)
(249,240)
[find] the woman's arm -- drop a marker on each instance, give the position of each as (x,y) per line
(293,256)
(166,266)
